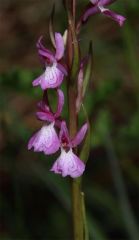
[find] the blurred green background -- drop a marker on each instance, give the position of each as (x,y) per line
(34,203)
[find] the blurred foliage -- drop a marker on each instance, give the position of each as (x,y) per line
(35,203)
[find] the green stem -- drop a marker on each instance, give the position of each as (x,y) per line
(76,184)
(73,66)
(78,222)
(86,233)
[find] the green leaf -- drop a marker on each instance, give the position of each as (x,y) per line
(51,29)
(88,70)
(84,154)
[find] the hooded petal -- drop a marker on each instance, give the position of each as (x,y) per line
(79,136)
(43,105)
(53,77)
(59,41)
(68,164)
(45,116)
(47,55)
(64,134)
(44,51)
(116,17)
(45,140)
(39,43)
(44,112)
(60,103)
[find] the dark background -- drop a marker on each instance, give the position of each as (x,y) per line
(35,203)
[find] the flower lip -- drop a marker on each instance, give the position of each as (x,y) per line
(68,164)
(45,140)
(53,77)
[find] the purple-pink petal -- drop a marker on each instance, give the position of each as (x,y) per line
(98,7)
(44,51)
(39,43)
(89,12)
(32,141)
(79,136)
(45,116)
(60,103)
(68,164)
(38,80)
(44,112)
(106,2)
(62,69)
(116,17)
(59,41)
(45,140)
(43,106)
(47,55)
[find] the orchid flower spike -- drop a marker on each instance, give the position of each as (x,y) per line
(98,6)
(54,70)
(68,163)
(46,139)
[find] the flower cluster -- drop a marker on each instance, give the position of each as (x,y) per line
(47,140)
(54,133)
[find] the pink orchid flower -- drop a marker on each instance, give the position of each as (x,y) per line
(54,70)
(98,6)
(46,139)
(68,163)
